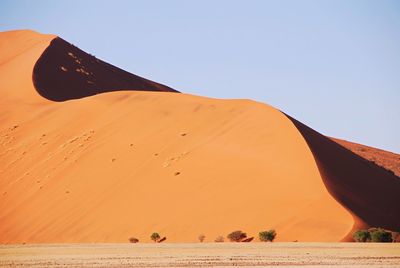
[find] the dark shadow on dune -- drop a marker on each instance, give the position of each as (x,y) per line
(64,72)
(369,191)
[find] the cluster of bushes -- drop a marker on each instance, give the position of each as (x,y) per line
(375,235)
(239,236)
(235,236)
(154,236)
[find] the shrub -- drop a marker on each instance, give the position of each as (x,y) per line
(362,236)
(236,236)
(380,235)
(155,237)
(133,240)
(266,236)
(219,239)
(201,238)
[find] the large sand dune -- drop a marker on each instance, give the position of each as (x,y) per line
(81,167)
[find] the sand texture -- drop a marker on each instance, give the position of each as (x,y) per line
(287,255)
(81,167)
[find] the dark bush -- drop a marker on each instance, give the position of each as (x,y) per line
(266,236)
(362,236)
(236,236)
(380,235)
(155,237)
(133,240)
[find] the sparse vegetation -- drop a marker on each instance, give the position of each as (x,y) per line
(133,240)
(237,236)
(155,237)
(266,236)
(219,239)
(380,235)
(362,236)
(373,235)
(201,238)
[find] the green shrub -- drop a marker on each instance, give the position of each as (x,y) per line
(236,236)
(267,235)
(362,236)
(155,237)
(380,235)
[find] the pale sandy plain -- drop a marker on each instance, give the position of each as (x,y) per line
(82,167)
(203,255)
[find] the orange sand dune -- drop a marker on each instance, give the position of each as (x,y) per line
(385,159)
(115,165)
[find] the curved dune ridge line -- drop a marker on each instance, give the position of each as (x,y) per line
(19,51)
(64,72)
(120,164)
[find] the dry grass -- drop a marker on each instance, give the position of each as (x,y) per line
(202,255)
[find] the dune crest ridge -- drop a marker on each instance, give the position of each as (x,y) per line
(90,167)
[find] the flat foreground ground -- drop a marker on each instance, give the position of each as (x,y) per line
(202,255)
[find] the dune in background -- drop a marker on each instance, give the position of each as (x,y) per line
(388,160)
(81,167)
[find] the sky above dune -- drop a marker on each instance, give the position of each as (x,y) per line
(334,65)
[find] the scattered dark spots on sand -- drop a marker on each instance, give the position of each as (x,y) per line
(67,192)
(131,145)
(113,160)
(177,173)
(155,154)
(183,134)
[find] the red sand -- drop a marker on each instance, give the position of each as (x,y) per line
(107,167)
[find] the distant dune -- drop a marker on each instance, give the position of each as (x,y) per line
(79,166)
(388,160)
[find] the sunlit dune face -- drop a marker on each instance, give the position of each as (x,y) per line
(79,166)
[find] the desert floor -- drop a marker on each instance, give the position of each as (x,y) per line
(202,255)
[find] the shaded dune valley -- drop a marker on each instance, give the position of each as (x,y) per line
(91,153)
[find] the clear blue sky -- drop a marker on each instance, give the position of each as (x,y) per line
(334,65)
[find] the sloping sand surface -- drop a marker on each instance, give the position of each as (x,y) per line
(385,159)
(111,166)
(369,191)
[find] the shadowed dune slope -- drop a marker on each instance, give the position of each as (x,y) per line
(111,166)
(65,72)
(369,191)
(385,159)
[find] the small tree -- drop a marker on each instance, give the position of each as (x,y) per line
(237,236)
(201,238)
(219,239)
(362,236)
(380,235)
(133,240)
(266,236)
(155,237)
